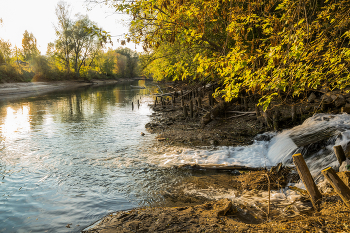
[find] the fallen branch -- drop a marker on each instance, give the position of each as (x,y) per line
(242,112)
(301,191)
(235,116)
(218,167)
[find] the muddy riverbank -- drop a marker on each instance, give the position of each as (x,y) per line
(235,124)
(11,91)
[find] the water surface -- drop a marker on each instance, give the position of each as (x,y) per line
(69,158)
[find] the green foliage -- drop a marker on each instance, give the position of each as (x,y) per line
(5,50)
(29,45)
(256,46)
(77,53)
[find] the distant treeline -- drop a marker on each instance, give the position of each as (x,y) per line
(79,52)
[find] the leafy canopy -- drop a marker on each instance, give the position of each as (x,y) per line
(257,46)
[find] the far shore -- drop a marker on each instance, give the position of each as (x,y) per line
(11,91)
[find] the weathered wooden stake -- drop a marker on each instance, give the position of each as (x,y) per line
(210,99)
(267,118)
(294,113)
(173,100)
(132,105)
(338,185)
(339,152)
(245,103)
(257,110)
(185,111)
(275,119)
(308,181)
(191,109)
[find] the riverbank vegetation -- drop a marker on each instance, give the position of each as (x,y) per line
(273,48)
(79,52)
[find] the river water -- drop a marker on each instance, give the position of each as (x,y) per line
(72,157)
(69,158)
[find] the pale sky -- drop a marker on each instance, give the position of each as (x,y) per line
(39,18)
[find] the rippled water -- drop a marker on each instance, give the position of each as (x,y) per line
(73,157)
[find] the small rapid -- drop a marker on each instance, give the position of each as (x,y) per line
(314,138)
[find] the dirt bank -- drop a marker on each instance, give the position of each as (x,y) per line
(215,123)
(225,215)
(11,91)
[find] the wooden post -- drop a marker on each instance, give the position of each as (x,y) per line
(245,103)
(307,179)
(191,109)
(342,190)
(275,119)
(132,105)
(257,110)
(210,99)
(185,111)
(339,152)
(267,118)
(294,113)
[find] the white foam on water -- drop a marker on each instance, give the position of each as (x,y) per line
(268,153)
(264,154)
(253,155)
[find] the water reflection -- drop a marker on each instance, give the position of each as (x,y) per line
(72,157)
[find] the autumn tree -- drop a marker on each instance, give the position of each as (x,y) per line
(5,50)
(266,47)
(63,44)
(131,61)
(29,46)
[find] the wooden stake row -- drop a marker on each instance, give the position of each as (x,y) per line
(338,185)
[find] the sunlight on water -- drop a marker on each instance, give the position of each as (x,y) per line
(16,123)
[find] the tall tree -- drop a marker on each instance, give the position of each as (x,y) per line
(84,42)
(64,43)
(5,50)
(131,61)
(29,45)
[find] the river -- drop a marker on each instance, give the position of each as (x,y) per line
(69,158)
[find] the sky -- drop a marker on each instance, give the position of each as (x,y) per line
(38,17)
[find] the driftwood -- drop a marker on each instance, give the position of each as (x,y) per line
(218,167)
(242,112)
(235,116)
(302,191)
